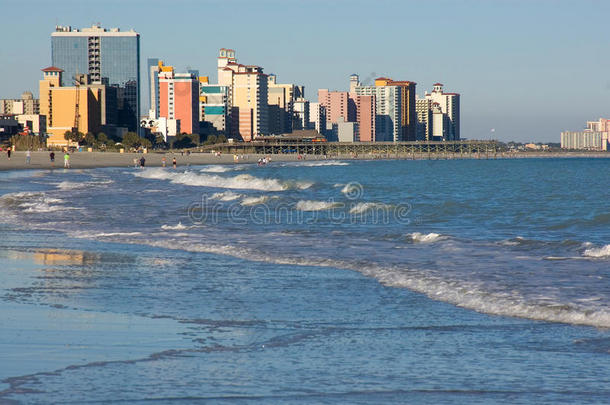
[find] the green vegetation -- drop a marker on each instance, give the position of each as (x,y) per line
(25,142)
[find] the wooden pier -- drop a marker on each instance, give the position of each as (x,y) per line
(413,150)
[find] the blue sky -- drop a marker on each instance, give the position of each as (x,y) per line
(528,69)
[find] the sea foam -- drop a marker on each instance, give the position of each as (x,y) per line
(363,207)
(309,205)
(226,196)
(417,237)
(242,181)
(600,252)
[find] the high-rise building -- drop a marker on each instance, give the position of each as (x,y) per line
(152,71)
(179,99)
(248,96)
(337,104)
(366,116)
(301,114)
(388,110)
(408,116)
(317,117)
(281,99)
(449,104)
(423,109)
(214,104)
(69,107)
(27,104)
(109,56)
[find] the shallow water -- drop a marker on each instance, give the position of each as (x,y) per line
(312,282)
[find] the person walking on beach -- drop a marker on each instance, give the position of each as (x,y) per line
(142,161)
(52,158)
(8,153)
(28,157)
(174,163)
(67,160)
(163,161)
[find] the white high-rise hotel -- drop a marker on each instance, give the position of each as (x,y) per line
(445,118)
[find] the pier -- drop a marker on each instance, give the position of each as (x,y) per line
(413,150)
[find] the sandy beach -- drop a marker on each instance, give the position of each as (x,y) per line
(88,160)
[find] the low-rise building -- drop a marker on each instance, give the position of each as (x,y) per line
(586,140)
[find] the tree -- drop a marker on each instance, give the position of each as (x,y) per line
(68,135)
(89,139)
(145,143)
(102,137)
(210,140)
(221,139)
(131,140)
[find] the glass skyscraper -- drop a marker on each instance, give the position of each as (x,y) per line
(109,57)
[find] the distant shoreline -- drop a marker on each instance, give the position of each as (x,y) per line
(90,160)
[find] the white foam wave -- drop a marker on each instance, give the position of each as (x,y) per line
(600,252)
(361,208)
(256,200)
(177,227)
(226,196)
(470,295)
(348,188)
(460,293)
(317,163)
(417,237)
(242,181)
(310,205)
(34,202)
(71,185)
(217,169)
(112,234)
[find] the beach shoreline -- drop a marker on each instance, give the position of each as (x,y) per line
(89,160)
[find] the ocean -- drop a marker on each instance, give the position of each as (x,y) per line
(312,282)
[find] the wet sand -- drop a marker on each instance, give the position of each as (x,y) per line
(87,160)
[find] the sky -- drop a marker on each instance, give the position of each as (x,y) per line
(526,69)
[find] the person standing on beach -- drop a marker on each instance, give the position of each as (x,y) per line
(174,163)
(67,160)
(142,161)
(163,161)
(28,157)
(8,152)
(52,157)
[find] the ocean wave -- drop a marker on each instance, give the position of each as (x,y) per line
(600,252)
(349,188)
(242,181)
(417,237)
(361,208)
(466,294)
(309,205)
(315,163)
(72,185)
(93,235)
(256,200)
(470,295)
(226,196)
(34,202)
(217,168)
(177,227)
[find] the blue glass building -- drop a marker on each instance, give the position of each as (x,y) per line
(110,57)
